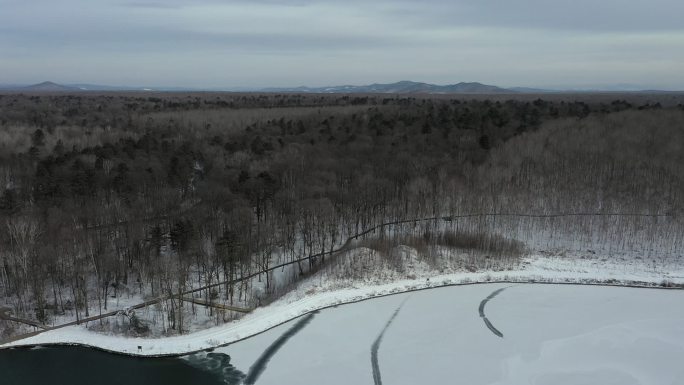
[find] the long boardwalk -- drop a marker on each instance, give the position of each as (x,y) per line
(202,302)
(5,315)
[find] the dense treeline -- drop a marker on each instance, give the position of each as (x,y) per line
(158,194)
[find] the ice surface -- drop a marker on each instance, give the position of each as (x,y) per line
(553,335)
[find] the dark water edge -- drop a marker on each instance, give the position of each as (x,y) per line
(72,365)
(76,365)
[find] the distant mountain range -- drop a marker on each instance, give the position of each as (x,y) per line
(54,87)
(402,87)
(48,87)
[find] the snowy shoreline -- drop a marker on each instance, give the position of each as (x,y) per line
(309,298)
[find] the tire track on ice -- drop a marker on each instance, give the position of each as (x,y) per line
(259,365)
(482,313)
(376,345)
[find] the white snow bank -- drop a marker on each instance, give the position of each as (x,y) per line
(316,293)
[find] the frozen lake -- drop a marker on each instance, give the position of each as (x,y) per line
(552,334)
(478,334)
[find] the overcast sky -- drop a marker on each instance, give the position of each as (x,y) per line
(257,43)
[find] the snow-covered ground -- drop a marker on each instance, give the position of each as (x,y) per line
(552,334)
(328,288)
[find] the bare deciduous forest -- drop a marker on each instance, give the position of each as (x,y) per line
(168,196)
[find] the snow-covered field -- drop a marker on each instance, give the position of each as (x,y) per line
(327,288)
(552,334)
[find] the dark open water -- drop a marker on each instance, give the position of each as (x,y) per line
(82,366)
(71,365)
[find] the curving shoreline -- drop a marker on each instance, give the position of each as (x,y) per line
(278,314)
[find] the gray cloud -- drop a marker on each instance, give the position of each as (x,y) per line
(578,15)
(151,4)
(279,42)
